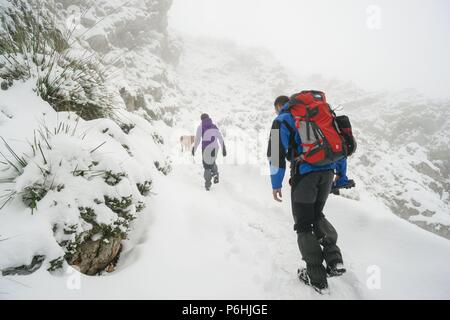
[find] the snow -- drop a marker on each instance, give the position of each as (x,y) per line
(236,243)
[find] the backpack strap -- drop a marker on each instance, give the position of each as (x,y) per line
(291,132)
(292,147)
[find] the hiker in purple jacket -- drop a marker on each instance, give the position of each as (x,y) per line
(211,138)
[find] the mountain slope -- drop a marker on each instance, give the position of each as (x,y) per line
(403,156)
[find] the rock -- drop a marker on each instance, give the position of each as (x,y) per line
(25,270)
(439,229)
(132,102)
(94,257)
(129,99)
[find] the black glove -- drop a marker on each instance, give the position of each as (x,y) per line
(224,151)
(193,152)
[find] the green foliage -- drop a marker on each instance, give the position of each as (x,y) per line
(107,231)
(110,231)
(33,46)
(120,206)
(33,194)
(88,215)
(127,127)
(71,247)
(6,84)
(113,179)
(68,230)
(157,138)
(56,264)
(140,207)
(166,169)
(145,188)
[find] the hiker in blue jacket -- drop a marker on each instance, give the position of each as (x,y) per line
(311,186)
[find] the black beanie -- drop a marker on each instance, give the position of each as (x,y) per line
(204,116)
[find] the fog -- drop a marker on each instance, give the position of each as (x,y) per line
(377,44)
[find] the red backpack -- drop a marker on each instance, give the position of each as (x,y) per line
(322,140)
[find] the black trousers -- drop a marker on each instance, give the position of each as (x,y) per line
(317,238)
(210,166)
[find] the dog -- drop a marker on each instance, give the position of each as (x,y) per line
(187,142)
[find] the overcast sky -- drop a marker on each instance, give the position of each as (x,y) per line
(378,44)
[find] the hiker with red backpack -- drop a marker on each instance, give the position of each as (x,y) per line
(211,138)
(307,133)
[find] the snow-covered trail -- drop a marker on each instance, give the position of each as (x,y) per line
(236,243)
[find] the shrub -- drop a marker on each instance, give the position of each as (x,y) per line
(157,138)
(127,127)
(113,179)
(56,264)
(164,169)
(140,207)
(120,206)
(87,214)
(72,229)
(33,194)
(145,188)
(32,46)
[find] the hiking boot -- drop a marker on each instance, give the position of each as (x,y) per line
(303,276)
(216,179)
(351,184)
(336,192)
(336,270)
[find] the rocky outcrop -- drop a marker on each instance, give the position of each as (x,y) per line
(94,257)
(132,41)
(133,102)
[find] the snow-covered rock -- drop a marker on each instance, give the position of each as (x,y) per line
(134,45)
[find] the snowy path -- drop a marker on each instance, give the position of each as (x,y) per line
(236,243)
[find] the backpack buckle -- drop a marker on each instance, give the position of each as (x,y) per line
(296,163)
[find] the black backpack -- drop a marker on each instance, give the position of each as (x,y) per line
(345,127)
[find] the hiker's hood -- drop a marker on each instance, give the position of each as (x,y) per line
(207,122)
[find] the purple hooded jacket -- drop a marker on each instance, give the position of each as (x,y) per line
(208,134)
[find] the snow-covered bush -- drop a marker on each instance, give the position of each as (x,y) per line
(89,199)
(33,45)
